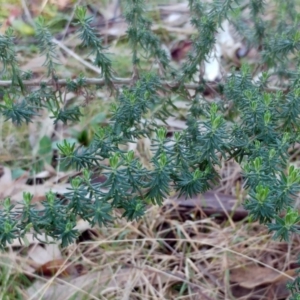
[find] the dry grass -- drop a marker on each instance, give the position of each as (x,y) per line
(162,258)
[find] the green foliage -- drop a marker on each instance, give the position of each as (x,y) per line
(294,286)
(140,34)
(263,127)
(88,35)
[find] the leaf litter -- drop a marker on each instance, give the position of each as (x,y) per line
(197,248)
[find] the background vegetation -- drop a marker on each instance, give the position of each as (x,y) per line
(205,247)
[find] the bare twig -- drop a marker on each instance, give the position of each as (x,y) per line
(95,81)
(76,56)
(209,87)
(70,20)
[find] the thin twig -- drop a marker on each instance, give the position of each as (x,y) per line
(76,56)
(59,43)
(121,81)
(65,31)
(94,81)
(27,13)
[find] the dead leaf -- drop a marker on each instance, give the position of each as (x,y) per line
(212,66)
(95,284)
(180,49)
(82,226)
(182,7)
(5,177)
(58,267)
(41,254)
(228,44)
(61,3)
(208,203)
(176,19)
(252,276)
(36,64)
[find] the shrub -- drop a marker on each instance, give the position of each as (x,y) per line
(258,130)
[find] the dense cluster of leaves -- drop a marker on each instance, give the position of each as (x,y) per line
(263,125)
